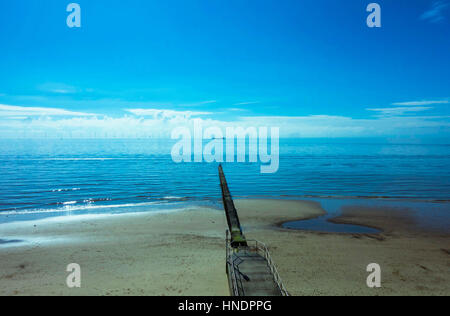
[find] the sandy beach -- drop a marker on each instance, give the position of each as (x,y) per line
(183,253)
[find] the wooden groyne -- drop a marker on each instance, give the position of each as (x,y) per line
(249,266)
(234,225)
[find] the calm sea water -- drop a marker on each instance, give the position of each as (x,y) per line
(83,176)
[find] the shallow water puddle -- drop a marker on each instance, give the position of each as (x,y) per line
(6,241)
(321,224)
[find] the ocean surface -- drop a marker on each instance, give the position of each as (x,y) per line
(68,177)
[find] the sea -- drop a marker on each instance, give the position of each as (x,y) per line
(42,178)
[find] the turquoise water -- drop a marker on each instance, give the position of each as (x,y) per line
(41,178)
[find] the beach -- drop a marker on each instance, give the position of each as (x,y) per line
(183,252)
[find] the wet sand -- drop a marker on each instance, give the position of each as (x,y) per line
(183,253)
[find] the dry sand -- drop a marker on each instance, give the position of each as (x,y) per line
(183,253)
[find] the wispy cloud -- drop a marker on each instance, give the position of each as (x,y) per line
(436,13)
(166,114)
(419,103)
(36,122)
(400,110)
(246,103)
(199,103)
(20,111)
(57,88)
(161,126)
(237,110)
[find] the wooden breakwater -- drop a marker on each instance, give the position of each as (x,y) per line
(249,266)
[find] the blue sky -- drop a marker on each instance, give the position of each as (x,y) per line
(138,68)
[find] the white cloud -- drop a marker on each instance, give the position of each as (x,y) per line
(36,122)
(166,114)
(161,127)
(400,110)
(237,110)
(341,126)
(419,103)
(199,103)
(247,103)
(12,110)
(58,88)
(436,13)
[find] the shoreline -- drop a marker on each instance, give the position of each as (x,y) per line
(182,205)
(183,253)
